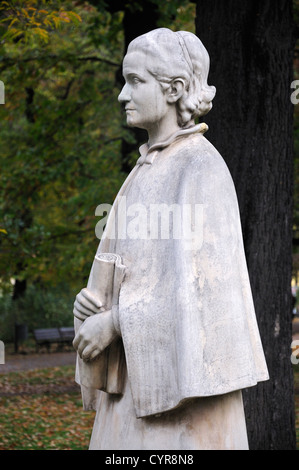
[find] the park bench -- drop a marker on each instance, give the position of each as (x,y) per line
(59,336)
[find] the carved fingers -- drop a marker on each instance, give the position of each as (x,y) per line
(86,304)
(94,335)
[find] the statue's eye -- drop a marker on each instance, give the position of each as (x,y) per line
(135,80)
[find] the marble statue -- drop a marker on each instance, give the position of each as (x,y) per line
(166,331)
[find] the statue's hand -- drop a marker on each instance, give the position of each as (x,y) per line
(94,335)
(86,304)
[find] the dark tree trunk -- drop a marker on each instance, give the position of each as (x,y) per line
(136,22)
(29,102)
(19,289)
(18,292)
(251,50)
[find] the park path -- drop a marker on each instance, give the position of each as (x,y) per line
(17,362)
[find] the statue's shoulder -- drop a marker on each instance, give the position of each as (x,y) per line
(201,165)
(197,152)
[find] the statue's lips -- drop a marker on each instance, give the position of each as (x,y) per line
(130,109)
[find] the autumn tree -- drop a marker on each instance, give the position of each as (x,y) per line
(59,139)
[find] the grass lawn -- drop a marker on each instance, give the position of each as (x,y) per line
(42,409)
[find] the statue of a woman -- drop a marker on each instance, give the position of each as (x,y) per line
(165,363)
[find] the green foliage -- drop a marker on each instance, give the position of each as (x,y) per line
(38,308)
(60,142)
(32,20)
(177,15)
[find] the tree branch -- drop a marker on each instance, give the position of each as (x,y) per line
(71,232)
(98,59)
(8,61)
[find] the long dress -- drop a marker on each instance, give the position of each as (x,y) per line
(188,337)
(207,423)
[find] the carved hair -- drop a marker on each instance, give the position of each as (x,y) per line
(172,55)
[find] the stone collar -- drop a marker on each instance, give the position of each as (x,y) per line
(148,154)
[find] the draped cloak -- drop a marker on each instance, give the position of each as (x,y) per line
(185,316)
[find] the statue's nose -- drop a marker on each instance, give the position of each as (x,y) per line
(124,94)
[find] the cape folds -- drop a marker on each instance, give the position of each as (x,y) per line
(185,311)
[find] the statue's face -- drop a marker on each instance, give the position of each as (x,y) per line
(145,103)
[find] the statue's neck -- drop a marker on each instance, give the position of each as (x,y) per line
(162,130)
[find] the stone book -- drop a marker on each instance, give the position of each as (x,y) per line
(106,276)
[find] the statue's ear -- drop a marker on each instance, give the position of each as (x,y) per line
(176,90)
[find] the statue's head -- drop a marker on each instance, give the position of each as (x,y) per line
(173,57)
